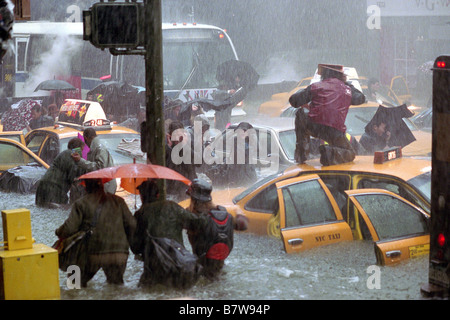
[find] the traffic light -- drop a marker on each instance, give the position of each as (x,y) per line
(439,265)
(114,25)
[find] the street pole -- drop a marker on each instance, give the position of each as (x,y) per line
(154,93)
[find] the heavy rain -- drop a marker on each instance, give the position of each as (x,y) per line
(284,42)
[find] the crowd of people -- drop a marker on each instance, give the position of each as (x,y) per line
(118,230)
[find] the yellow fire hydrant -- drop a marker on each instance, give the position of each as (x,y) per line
(28,271)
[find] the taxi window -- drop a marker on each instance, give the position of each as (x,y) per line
(306,203)
(265,201)
(11,156)
(50,150)
(35,142)
(337,184)
(391,217)
(255,186)
(395,187)
(423,183)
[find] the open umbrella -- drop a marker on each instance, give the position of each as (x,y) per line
(49,85)
(401,135)
(133,174)
(117,97)
(229,70)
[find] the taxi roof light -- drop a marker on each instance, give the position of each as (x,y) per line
(387,155)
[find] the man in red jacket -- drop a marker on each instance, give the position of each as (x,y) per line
(329,100)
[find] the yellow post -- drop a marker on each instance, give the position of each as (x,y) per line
(28,271)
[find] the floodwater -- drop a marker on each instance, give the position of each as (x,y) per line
(257,269)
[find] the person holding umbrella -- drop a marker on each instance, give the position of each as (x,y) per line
(387,128)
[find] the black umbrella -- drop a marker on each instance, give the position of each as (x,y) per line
(229,70)
(117,97)
(54,84)
(401,135)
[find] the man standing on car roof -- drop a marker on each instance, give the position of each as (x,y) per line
(98,157)
(329,101)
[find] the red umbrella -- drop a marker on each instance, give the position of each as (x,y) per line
(133,174)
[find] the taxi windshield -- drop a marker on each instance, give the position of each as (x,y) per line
(255,186)
(423,184)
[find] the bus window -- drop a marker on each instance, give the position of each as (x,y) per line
(94,62)
(21,49)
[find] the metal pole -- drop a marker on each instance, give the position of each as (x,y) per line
(154,93)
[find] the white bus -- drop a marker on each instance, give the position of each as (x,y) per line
(55,50)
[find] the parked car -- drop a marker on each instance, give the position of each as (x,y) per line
(25,161)
(20,168)
(311,205)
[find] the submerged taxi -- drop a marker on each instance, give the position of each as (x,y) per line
(73,118)
(310,205)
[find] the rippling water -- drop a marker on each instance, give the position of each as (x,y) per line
(257,269)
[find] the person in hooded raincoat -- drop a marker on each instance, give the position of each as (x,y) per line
(108,244)
(162,219)
(55,184)
(98,157)
(329,101)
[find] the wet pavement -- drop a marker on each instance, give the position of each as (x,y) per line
(257,269)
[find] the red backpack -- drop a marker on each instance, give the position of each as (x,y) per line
(220,234)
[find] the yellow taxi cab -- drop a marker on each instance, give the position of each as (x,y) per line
(73,118)
(310,205)
(14,153)
(14,135)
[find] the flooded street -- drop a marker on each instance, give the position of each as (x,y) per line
(257,269)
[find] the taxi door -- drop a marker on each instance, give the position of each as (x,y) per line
(399,229)
(309,215)
(400,89)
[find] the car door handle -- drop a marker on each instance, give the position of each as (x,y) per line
(295,242)
(393,254)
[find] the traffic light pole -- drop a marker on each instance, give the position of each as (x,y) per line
(154,93)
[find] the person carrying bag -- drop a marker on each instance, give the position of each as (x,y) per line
(74,249)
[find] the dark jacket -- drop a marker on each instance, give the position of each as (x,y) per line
(115,224)
(55,184)
(99,157)
(163,219)
(330,100)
